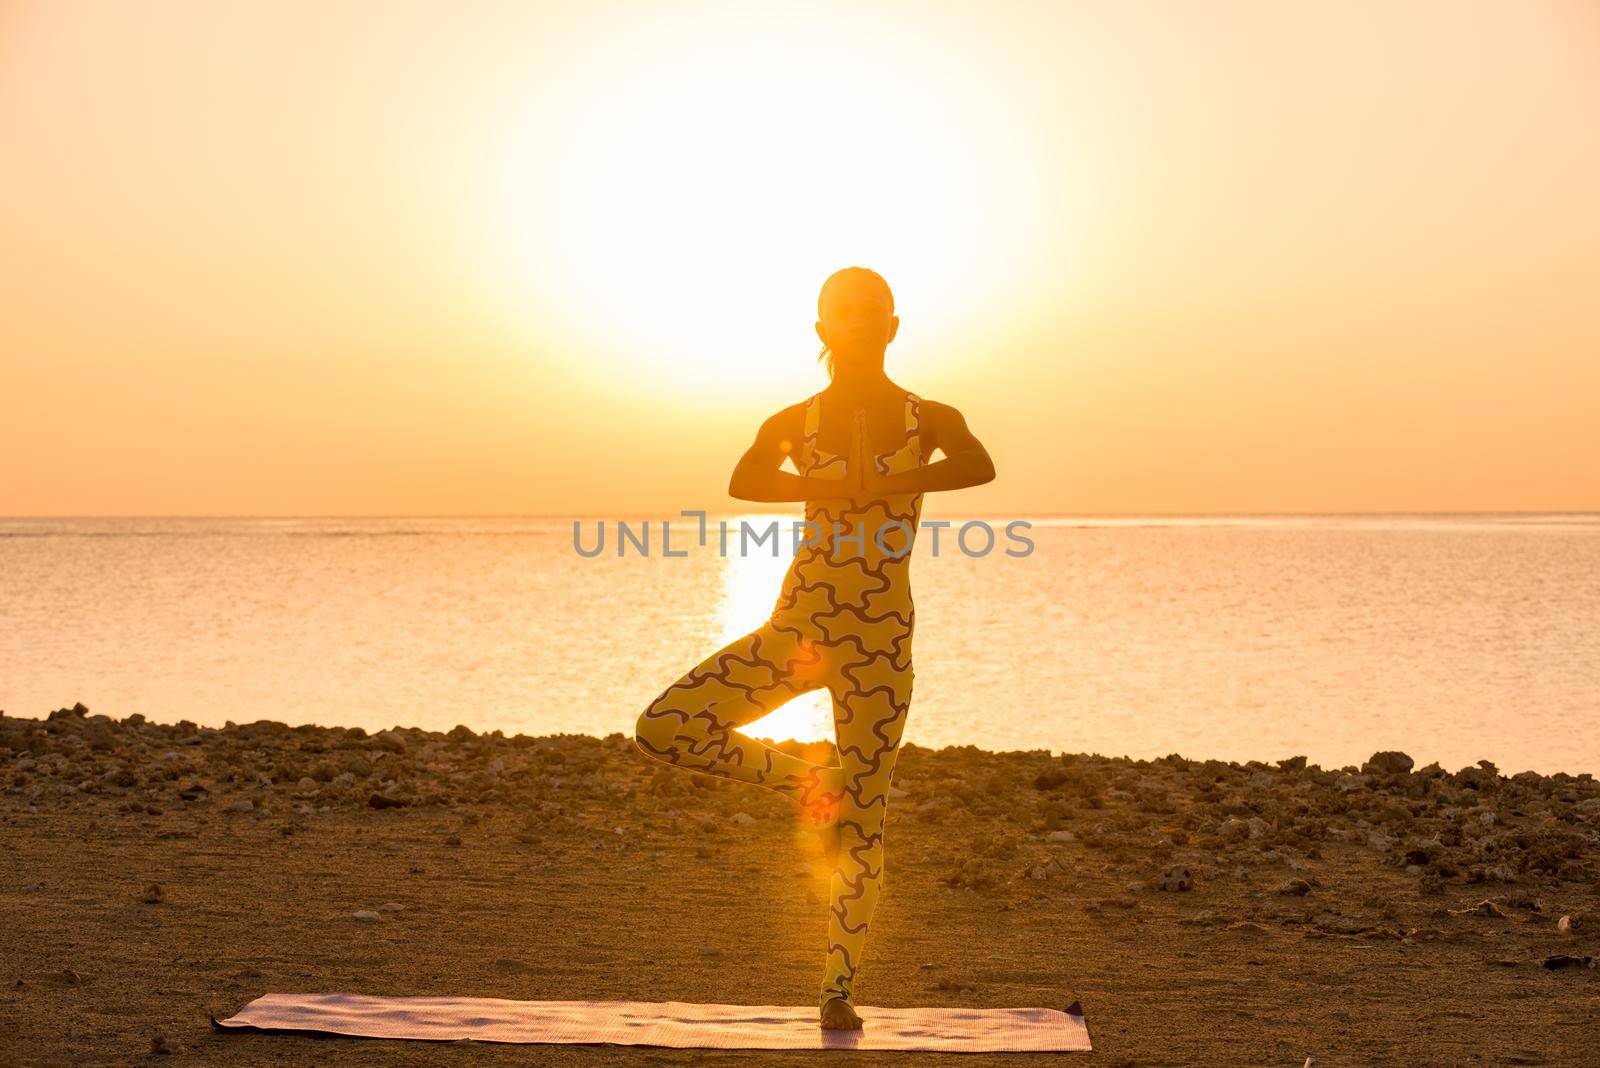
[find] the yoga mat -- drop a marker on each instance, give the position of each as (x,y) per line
(669,1023)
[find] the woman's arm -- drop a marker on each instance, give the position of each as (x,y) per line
(757,477)
(966,462)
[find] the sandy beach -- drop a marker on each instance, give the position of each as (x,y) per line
(1203,912)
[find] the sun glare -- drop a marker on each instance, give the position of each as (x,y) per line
(750,586)
(675,221)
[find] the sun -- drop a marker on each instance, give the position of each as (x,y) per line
(671,203)
(750,585)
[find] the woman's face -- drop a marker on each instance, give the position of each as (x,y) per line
(857,324)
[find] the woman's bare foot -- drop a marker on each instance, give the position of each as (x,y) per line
(837,1015)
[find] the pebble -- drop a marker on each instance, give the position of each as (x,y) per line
(1177,878)
(1050,869)
(1482,908)
(367,916)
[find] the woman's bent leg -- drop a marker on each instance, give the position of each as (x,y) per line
(692,723)
(870,710)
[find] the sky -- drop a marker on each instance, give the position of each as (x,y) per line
(532,259)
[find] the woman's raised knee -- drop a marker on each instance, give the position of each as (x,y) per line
(655,732)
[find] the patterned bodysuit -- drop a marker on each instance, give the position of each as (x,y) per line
(843,620)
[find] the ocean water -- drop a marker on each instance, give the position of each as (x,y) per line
(1454,638)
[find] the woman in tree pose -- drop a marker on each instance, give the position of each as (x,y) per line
(844,616)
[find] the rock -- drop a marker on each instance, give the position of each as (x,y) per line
(1233,829)
(1388,762)
(244,804)
(153,894)
(1061,836)
(1050,869)
(159,1046)
(1293,888)
(1294,763)
(1565,960)
(367,916)
(391,906)
(1176,879)
(1421,852)
(1482,908)
(895,793)
(740,819)
(378,800)
(388,741)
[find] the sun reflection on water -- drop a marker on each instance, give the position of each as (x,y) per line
(750,585)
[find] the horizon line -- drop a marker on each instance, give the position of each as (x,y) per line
(709,512)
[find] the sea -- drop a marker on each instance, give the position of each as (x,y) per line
(1452,637)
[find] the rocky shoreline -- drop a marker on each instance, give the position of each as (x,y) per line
(1387,853)
(1471,826)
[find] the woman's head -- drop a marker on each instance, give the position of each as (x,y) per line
(855,318)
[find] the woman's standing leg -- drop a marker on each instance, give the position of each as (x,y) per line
(870,705)
(692,723)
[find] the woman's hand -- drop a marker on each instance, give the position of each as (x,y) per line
(862,479)
(854,484)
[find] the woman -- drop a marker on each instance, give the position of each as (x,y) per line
(844,616)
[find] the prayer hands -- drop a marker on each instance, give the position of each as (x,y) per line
(862,480)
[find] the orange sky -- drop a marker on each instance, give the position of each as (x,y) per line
(387,258)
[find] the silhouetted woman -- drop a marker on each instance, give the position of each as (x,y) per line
(844,616)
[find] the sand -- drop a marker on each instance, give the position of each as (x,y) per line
(1383,914)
